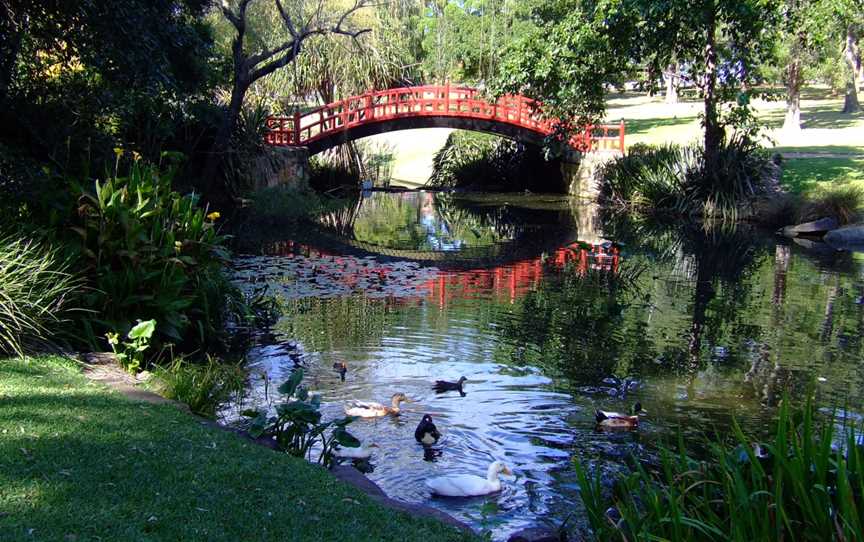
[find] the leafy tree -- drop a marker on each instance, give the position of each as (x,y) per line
(299,21)
(582,46)
(79,78)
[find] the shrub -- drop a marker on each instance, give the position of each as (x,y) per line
(478,159)
(36,292)
(204,387)
(806,484)
(150,253)
(673,179)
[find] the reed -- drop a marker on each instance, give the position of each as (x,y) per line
(806,483)
(36,289)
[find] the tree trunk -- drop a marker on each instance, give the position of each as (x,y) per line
(794,81)
(850,55)
(713,130)
(11,34)
(214,190)
(671,77)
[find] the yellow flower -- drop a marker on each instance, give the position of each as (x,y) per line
(118,152)
(213,216)
(113,338)
(136,156)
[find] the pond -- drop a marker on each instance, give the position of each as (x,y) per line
(550,310)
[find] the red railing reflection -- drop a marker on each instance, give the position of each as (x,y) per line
(511,281)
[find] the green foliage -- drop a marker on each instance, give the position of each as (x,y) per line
(204,387)
(569,58)
(130,353)
(37,291)
(325,175)
(677,180)
(153,254)
(77,77)
(805,484)
(843,202)
(297,425)
(472,159)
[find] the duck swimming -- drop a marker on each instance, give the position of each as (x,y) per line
(363,451)
(442,386)
(369,409)
(615,420)
(469,485)
(426,433)
(341,367)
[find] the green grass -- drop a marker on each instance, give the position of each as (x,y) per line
(810,175)
(80,462)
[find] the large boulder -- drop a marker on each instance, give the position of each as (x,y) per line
(847,238)
(817,228)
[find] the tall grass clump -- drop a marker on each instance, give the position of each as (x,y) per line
(807,483)
(36,292)
(672,179)
(843,202)
(204,387)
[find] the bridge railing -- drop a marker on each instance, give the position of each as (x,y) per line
(429,101)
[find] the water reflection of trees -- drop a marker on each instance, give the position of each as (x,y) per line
(588,327)
(441,221)
(730,300)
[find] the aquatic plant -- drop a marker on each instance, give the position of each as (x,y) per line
(805,484)
(130,353)
(36,292)
(297,427)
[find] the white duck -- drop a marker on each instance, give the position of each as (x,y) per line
(469,485)
(364,451)
(367,409)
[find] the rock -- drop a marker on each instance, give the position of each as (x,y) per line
(814,229)
(536,534)
(847,238)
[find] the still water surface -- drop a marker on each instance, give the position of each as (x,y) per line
(550,311)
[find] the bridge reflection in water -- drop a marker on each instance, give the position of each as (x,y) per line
(508,280)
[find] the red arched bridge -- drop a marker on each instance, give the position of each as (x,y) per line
(429,106)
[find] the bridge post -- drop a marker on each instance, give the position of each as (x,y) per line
(370,107)
(296,127)
(621,136)
(447,98)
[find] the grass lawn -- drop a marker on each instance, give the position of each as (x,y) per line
(81,462)
(651,120)
(809,175)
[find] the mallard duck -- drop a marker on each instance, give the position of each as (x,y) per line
(364,451)
(617,420)
(341,367)
(368,409)
(426,433)
(469,485)
(442,385)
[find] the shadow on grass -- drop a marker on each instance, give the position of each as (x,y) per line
(821,116)
(641,126)
(803,174)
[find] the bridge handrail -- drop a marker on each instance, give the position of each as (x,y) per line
(432,101)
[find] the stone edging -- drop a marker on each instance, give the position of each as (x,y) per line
(103,368)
